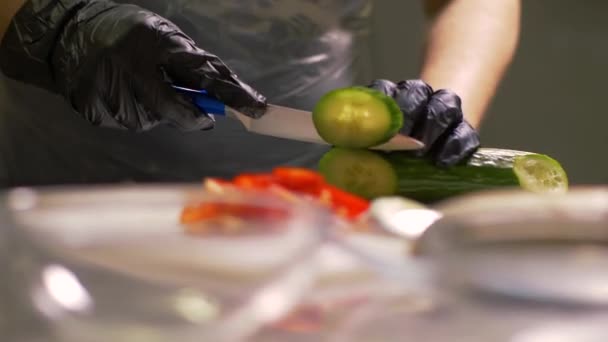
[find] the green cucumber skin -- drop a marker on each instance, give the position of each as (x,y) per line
(421,180)
(495,157)
(394,110)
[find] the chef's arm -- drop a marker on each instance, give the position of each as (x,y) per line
(7,11)
(469,46)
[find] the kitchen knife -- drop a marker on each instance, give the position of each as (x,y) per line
(283,122)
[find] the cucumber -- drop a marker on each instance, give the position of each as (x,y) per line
(355,170)
(373,174)
(357,117)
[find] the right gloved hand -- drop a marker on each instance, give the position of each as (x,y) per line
(433,117)
(115,63)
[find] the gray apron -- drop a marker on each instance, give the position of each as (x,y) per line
(292,51)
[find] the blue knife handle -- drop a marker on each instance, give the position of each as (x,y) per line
(203,101)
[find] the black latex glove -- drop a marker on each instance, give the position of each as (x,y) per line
(433,117)
(114,63)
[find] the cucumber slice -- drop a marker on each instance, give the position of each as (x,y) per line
(374,174)
(540,173)
(360,172)
(357,117)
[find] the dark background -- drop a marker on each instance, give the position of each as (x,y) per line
(554,98)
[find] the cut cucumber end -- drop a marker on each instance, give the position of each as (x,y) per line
(540,173)
(357,117)
(360,172)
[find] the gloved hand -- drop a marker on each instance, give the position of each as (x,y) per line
(114,63)
(433,117)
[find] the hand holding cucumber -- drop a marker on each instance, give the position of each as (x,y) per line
(364,117)
(433,117)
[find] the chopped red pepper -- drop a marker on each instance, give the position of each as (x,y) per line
(203,211)
(191,214)
(288,182)
(344,203)
(299,180)
(253,181)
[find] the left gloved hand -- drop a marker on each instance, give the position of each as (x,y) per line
(433,117)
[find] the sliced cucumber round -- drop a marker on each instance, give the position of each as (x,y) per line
(357,117)
(359,171)
(540,173)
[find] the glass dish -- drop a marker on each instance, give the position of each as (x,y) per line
(505,266)
(524,245)
(115,264)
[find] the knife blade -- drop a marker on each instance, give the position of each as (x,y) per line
(284,122)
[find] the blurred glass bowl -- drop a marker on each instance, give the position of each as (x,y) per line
(115,264)
(519,244)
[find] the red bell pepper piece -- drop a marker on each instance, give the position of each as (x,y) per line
(291,181)
(299,180)
(345,203)
(253,181)
(205,211)
(196,213)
